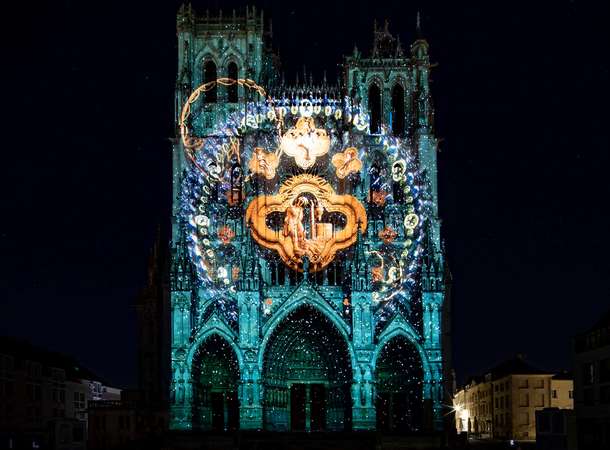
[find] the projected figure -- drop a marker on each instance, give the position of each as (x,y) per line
(293,225)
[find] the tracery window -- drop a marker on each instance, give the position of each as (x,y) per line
(210,74)
(375,108)
(398,110)
(232,94)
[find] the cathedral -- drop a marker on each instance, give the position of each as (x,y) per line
(308,282)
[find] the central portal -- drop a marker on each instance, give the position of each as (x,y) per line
(307,407)
(307,375)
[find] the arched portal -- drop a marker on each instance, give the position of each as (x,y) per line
(307,375)
(399,375)
(215,375)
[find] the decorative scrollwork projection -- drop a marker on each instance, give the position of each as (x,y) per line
(346,162)
(305,143)
(309,206)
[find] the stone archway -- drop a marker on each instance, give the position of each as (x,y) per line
(307,374)
(399,373)
(215,378)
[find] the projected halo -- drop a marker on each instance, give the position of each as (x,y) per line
(303,184)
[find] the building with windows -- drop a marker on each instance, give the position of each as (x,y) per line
(44,397)
(592,385)
(503,402)
(309,286)
(556,429)
(139,416)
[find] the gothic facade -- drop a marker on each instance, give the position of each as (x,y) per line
(309,289)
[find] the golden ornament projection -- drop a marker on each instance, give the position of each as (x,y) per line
(308,207)
(347,162)
(305,143)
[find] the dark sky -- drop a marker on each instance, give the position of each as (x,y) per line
(521,95)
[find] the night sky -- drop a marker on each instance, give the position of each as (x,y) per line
(521,97)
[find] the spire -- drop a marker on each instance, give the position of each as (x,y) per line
(419,48)
(183,277)
(399,51)
(359,269)
(360,255)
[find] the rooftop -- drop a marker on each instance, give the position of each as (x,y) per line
(23,350)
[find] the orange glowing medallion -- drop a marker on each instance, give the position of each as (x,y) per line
(305,200)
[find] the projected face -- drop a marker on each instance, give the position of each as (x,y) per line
(305,143)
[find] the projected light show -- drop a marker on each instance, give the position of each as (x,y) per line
(307,280)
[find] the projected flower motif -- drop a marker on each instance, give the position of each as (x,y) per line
(233,198)
(226,234)
(387,235)
(235,272)
(347,162)
(264,163)
(202,221)
(411,221)
(305,143)
(379,197)
(399,169)
(377,274)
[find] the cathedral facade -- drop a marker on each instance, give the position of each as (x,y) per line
(309,289)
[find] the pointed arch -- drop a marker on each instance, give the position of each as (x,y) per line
(306,349)
(400,373)
(214,326)
(399,327)
(302,297)
(215,371)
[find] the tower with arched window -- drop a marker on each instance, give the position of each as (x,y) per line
(308,282)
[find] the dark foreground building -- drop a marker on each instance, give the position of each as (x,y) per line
(44,398)
(592,385)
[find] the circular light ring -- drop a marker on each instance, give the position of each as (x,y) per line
(204,250)
(191,144)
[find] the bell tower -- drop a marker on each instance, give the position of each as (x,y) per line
(382,82)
